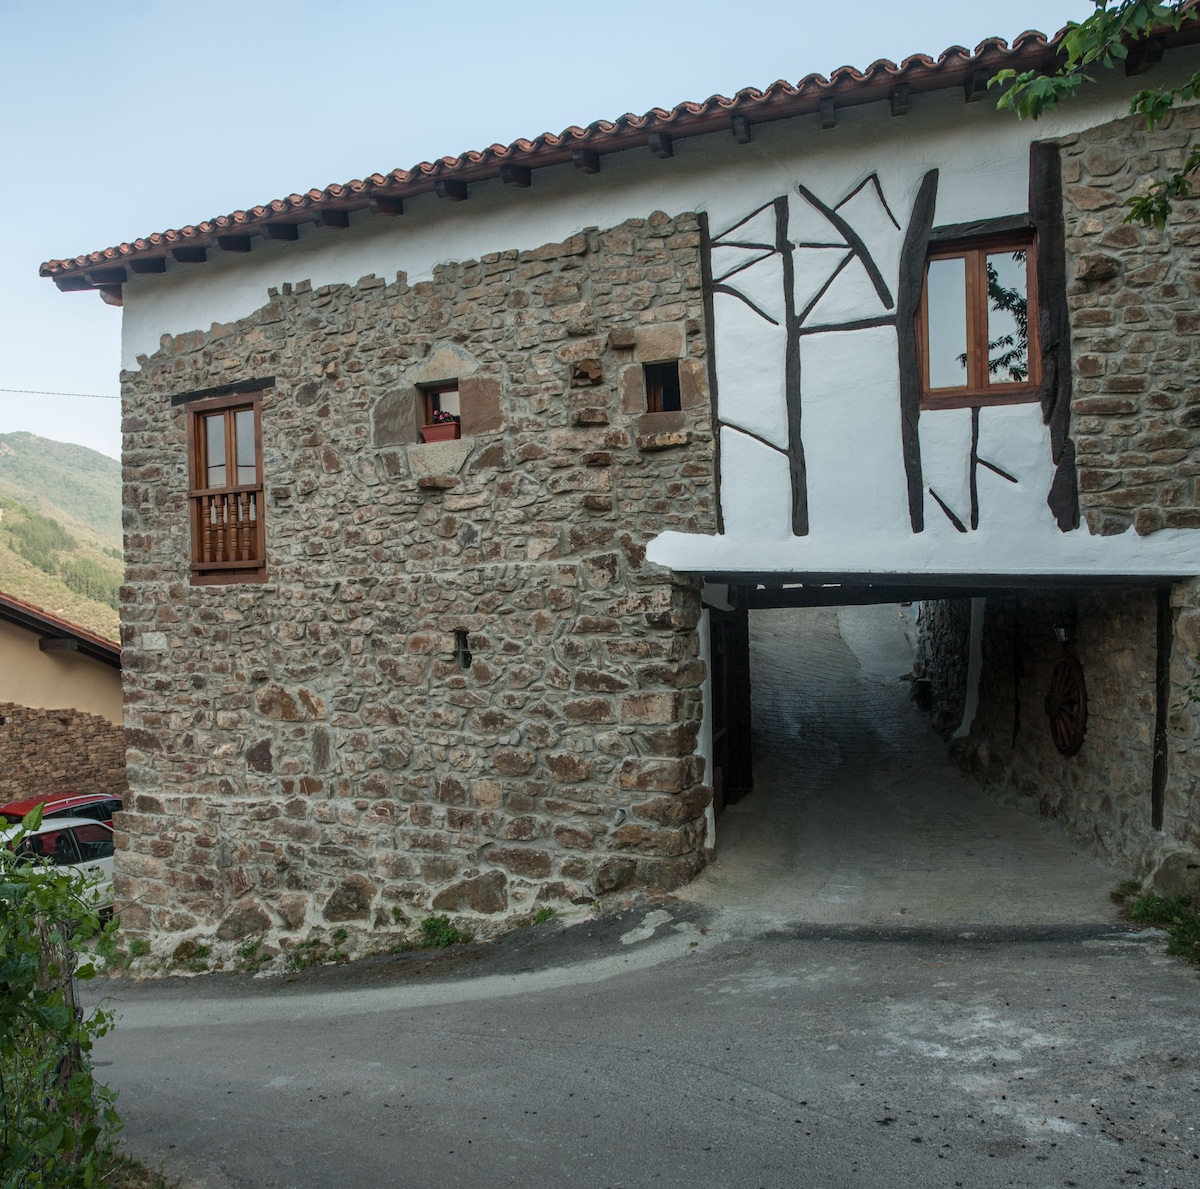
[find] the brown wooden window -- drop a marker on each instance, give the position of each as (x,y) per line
(977,324)
(226,496)
(662,387)
(441,398)
(440,410)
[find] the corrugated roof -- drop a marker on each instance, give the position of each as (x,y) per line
(450,177)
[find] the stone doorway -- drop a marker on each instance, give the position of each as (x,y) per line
(857,814)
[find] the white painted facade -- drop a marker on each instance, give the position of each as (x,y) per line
(870,168)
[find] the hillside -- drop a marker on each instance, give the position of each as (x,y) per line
(63,481)
(60,529)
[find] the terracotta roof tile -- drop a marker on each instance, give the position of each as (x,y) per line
(955,66)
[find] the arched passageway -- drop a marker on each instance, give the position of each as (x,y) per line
(858,816)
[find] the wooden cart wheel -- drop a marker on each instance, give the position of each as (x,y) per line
(1066,705)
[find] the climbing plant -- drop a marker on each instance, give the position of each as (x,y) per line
(1100,41)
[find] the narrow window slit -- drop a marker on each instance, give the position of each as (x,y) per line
(662,387)
(462,647)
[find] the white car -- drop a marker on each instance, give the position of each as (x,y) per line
(71,842)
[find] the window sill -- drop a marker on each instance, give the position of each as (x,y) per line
(208,577)
(1027,394)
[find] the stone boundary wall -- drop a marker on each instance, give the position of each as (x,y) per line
(1102,794)
(943,652)
(1135,329)
(308,752)
(42,751)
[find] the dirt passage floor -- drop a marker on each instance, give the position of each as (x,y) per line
(858,817)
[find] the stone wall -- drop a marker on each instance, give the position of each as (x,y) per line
(42,751)
(310,750)
(1102,794)
(943,655)
(1135,329)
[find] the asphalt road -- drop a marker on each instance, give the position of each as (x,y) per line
(666,1046)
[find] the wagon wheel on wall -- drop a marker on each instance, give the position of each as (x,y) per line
(1066,705)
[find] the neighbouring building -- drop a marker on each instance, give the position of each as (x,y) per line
(60,705)
(863,337)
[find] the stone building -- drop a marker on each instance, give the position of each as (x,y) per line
(851,339)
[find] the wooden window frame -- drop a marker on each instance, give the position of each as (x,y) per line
(979,389)
(208,540)
(431,396)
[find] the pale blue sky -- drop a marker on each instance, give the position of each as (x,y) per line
(124,117)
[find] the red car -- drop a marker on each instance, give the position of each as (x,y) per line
(66,803)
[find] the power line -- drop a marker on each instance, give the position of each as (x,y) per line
(38,392)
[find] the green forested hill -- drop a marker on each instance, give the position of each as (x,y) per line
(62,480)
(60,529)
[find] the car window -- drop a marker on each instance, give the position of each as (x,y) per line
(65,849)
(95,842)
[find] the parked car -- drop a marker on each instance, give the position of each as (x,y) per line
(65,803)
(69,842)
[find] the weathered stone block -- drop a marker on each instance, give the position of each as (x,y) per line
(590,710)
(246,919)
(656,708)
(486,894)
(660,343)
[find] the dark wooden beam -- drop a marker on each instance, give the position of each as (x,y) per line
(451,189)
(75,284)
(828,111)
(106,276)
(900,93)
(58,644)
(660,144)
(585,160)
(976,86)
(234,243)
(338,219)
(189,255)
(152,265)
(1162,690)
(111,295)
(1144,55)
(281,231)
(741,129)
(386,205)
(516,175)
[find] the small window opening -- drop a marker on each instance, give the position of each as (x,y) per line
(464,651)
(662,387)
(444,399)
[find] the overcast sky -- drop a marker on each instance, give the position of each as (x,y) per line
(125,117)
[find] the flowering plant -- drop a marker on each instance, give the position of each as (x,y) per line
(441,417)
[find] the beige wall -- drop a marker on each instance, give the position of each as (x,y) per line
(55,680)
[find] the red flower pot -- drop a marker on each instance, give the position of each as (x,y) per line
(440,431)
